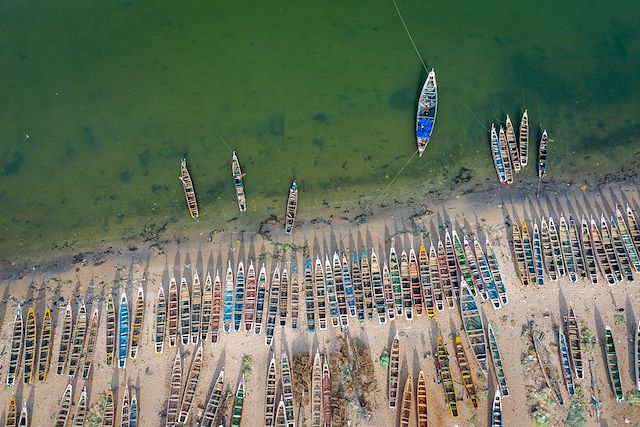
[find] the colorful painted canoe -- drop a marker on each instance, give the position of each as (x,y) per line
(427,111)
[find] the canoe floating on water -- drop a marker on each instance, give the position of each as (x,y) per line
(427,110)
(496,152)
(523,141)
(292,206)
(238,182)
(513,146)
(189,192)
(542,155)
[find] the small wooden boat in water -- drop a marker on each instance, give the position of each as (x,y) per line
(272,308)
(138,318)
(407,400)
(295,296)
(406,286)
(287,389)
(427,111)
(185,313)
(173,402)
(238,182)
(283,300)
(601,254)
(238,405)
(588,251)
(190,387)
(332,295)
(207,307)
(90,344)
(110,335)
(421,395)
(573,342)
(316,392)
(64,407)
(227,315)
(65,342)
(80,416)
(213,404)
(77,342)
(161,318)
(396,284)
(173,313)
(216,311)
(378,288)
(270,392)
(496,410)
(196,308)
(542,155)
(523,141)
(262,290)
(394,371)
(109,415)
(496,152)
(473,326)
(367,284)
(444,372)
(425,281)
(566,364)
(29,347)
(189,192)
(238,303)
(309,297)
(465,373)
(506,156)
(292,206)
(497,363)
(12,413)
(513,145)
(326,393)
(123,331)
(44,349)
(250,299)
(612,365)
(320,294)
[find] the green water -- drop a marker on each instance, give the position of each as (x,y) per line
(113,94)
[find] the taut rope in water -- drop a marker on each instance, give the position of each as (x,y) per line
(410,38)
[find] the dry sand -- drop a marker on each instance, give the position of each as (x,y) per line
(595,306)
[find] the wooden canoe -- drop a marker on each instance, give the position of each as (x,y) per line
(238,182)
(161,318)
(125,408)
(348,285)
(367,285)
(11,418)
(426,111)
(44,349)
(542,154)
(332,296)
(326,393)
(320,294)
(138,319)
(494,266)
(463,265)
(189,192)
(523,140)
(77,342)
(512,144)
(23,421)
(556,246)
(295,296)
(394,371)
(425,281)
(407,400)
(444,372)
(421,396)
(260,300)
(287,389)
(528,254)
(292,207)
(474,269)
(506,155)
(574,343)
(496,410)
(388,294)
(207,308)
(29,347)
(610,250)
(621,252)
(498,367)
(80,416)
(123,330)
(272,308)
(378,288)
(396,283)
(65,342)
(576,248)
(416,285)
(496,153)
(440,277)
(519,255)
(612,365)
(185,313)
(487,277)
(196,308)
(465,373)
(454,277)
(405,280)
(316,392)
(270,392)
(90,343)
(216,311)
(133,412)
(64,407)
(236,419)
(343,312)
(173,313)
(110,334)
(473,326)
(309,297)
(190,387)
(109,416)
(634,229)
(636,354)
(175,386)
(238,302)
(566,363)
(227,314)
(250,299)
(627,239)
(358,288)
(589,253)
(547,251)
(283,300)
(213,404)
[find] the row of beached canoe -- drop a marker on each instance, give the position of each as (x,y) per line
(478,341)
(581,250)
(510,155)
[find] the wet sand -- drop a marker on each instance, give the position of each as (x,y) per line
(90,275)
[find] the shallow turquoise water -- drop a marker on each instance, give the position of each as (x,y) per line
(112,95)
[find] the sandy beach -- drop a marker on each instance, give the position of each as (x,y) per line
(88,276)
